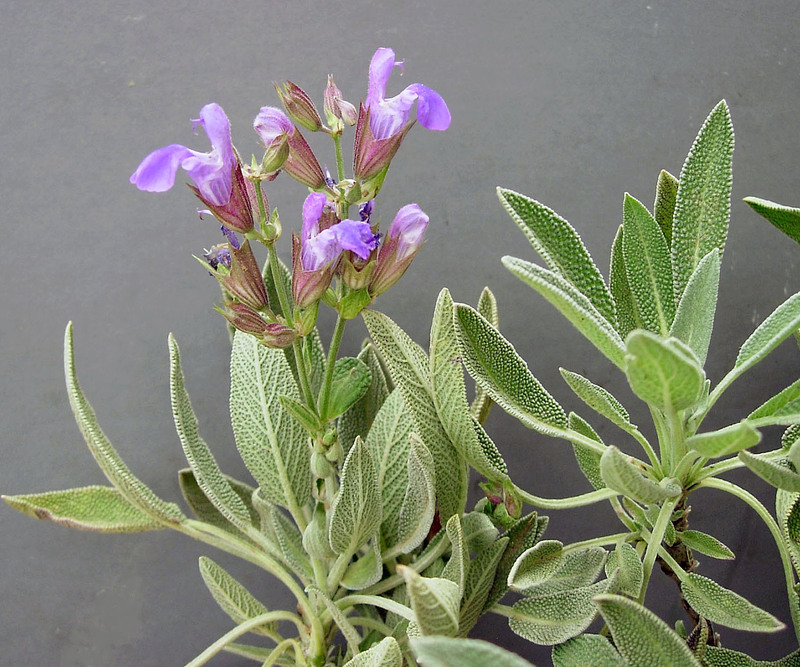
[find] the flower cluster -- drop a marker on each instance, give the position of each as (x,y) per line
(330,243)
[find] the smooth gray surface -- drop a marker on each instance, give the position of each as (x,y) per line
(571,102)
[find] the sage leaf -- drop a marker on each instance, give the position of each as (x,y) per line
(647,262)
(356,512)
(625,560)
(703,202)
(725,441)
(306,417)
(628,315)
(99,509)
(288,539)
(706,544)
(641,637)
(785,218)
(694,317)
(233,598)
(577,568)
(663,372)
(478,584)
(450,393)
(385,653)
(450,652)
(316,541)
(479,532)
(358,419)
(724,607)
(716,656)
(536,565)
(348,631)
(664,205)
(136,492)
(776,473)
(350,382)
(458,564)
(409,367)
(597,398)
(572,304)
(622,475)
(787,512)
(482,403)
(435,602)
(584,650)
(783,408)
(366,570)
(205,511)
(555,617)
(207,473)
(560,247)
(588,459)
(495,365)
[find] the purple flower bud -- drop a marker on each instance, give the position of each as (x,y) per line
(211,172)
(219,255)
(336,108)
(246,319)
(400,247)
(299,106)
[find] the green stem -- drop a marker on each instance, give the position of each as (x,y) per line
(598,542)
(337,572)
(280,287)
(673,564)
(302,373)
(653,543)
(772,525)
(623,516)
(372,624)
(280,649)
(648,449)
(425,559)
(337,143)
(262,209)
(333,351)
(566,503)
(733,463)
(377,601)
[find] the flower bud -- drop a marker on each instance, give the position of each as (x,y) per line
(244,318)
(336,108)
(274,129)
(299,106)
(400,247)
(372,157)
(243,281)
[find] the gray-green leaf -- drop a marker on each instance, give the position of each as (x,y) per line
(776,473)
(783,408)
(386,653)
(585,650)
(664,205)
(458,564)
(450,652)
(706,544)
(725,441)
(622,475)
(631,572)
(360,416)
(628,315)
(479,582)
(716,656)
(536,565)
(785,218)
(351,379)
(482,403)
(598,399)
(435,602)
(588,459)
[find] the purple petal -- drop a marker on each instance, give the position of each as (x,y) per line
(380,69)
(388,117)
(432,112)
(272,123)
(356,236)
(218,129)
(157,171)
(312,211)
(408,228)
(320,250)
(211,176)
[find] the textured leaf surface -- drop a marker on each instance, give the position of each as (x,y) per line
(572,304)
(450,652)
(560,247)
(359,418)
(458,564)
(206,471)
(725,441)
(783,408)
(435,602)
(623,476)
(588,459)
(641,637)
(597,398)
(663,372)
(100,509)
(351,379)
(776,473)
(409,367)
(366,570)
(716,656)
(386,653)
(536,565)
(205,511)
(694,317)
(478,584)
(724,607)
(234,599)
(356,512)
(136,492)
(649,268)
(272,444)
(587,650)
(487,306)
(664,205)
(703,202)
(785,218)
(706,544)
(577,568)
(631,572)
(289,541)
(628,316)
(495,365)
(554,618)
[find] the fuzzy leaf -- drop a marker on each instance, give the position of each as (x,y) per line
(628,315)
(598,399)
(572,304)
(560,247)
(351,379)
(694,317)
(776,473)
(409,367)
(725,441)
(136,492)
(385,653)
(495,365)
(356,512)
(706,544)
(588,459)
(457,565)
(99,509)
(663,372)
(585,650)
(536,565)
(716,656)
(724,607)
(234,599)
(478,584)
(204,466)
(289,540)
(482,403)
(366,570)
(785,218)
(631,572)
(648,265)
(577,568)
(664,205)
(435,602)
(783,408)
(556,617)
(787,512)
(306,417)
(641,637)
(450,393)
(625,477)
(205,511)
(450,652)
(703,202)
(273,446)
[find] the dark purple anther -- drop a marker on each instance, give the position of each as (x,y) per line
(219,254)
(365,210)
(231,236)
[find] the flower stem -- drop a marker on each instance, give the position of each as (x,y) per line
(598,542)
(566,503)
(653,543)
(333,352)
(280,287)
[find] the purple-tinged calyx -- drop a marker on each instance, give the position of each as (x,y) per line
(371,156)
(239,213)
(244,318)
(402,243)
(337,110)
(211,172)
(240,276)
(299,106)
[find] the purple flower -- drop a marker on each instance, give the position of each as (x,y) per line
(399,249)
(211,172)
(388,116)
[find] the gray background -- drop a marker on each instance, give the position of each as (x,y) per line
(571,102)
